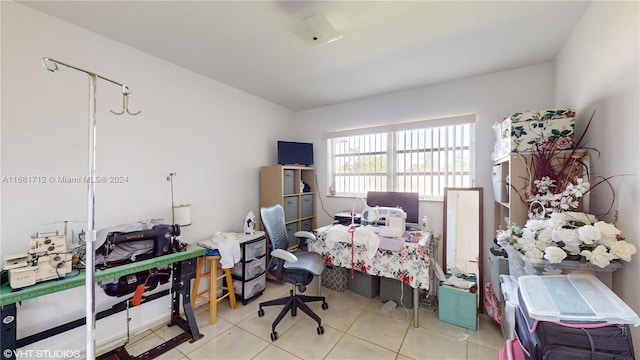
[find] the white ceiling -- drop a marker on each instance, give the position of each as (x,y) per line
(386,46)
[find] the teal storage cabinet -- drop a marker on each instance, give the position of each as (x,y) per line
(458,307)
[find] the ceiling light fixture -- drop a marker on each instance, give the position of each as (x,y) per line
(316,30)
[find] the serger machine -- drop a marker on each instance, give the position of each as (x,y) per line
(47,258)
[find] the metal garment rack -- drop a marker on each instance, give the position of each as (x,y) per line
(90,306)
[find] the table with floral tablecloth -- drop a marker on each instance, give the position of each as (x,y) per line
(410,264)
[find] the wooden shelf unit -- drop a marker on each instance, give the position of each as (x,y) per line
(280,184)
(510,201)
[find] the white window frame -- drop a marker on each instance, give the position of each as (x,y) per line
(394,178)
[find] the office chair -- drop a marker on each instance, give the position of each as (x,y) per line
(297,268)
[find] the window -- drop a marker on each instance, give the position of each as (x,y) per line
(424,157)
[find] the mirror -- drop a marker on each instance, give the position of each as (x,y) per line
(462,233)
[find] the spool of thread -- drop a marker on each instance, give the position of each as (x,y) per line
(182,214)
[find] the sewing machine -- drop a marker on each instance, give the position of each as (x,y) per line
(388,221)
(47,258)
(121,248)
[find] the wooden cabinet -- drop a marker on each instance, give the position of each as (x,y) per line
(293,187)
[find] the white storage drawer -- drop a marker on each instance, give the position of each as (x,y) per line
(251,269)
(250,288)
(254,250)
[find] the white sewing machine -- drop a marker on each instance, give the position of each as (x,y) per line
(389,221)
(47,258)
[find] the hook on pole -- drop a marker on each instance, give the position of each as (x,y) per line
(125,102)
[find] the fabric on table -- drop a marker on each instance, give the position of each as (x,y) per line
(227,245)
(362,236)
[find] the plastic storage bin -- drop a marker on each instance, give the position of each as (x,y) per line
(364,284)
(573,297)
(251,269)
(254,250)
(498,265)
(392,289)
(520,265)
(249,289)
(509,291)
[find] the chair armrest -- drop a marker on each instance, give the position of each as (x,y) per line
(284,255)
(304,234)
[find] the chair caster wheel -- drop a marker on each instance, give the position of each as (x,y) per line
(274,336)
(260,313)
(325,306)
(320,330)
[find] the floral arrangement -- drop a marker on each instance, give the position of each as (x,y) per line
(568,234)
(555,230)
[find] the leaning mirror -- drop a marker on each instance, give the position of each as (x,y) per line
(462,233)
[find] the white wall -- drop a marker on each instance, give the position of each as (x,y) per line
(599,70)
(491,98)
(213,136)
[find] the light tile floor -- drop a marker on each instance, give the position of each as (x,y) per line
(355,328)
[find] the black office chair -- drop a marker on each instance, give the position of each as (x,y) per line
(297,268)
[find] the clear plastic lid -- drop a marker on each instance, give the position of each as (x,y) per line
(573,297)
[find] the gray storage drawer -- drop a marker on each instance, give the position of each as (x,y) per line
(306,225)
(306,208)
(290,208)
(289,182)
(291,230)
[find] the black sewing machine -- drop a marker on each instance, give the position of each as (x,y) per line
(121,248)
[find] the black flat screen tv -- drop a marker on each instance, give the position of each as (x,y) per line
(295,153)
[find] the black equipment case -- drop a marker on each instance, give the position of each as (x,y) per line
(552,340)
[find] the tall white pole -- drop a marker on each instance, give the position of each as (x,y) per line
(90,306)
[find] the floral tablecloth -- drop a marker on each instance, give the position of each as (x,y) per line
(410,264)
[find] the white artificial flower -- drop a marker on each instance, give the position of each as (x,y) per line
(535,224)
(541,245)
(567,236)
(623,250)
(545,235)
(581,217)
(554,254)
(607,230)
(533,254)
(528,235)
(599,256)
(588,234)
(559,217)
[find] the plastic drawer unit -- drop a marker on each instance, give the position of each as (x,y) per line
(458,307)
(249,273)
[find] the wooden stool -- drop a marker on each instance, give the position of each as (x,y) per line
(211,294)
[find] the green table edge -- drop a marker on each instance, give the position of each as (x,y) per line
(9,296)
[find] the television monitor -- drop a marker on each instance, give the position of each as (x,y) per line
(408,201)
(295,153)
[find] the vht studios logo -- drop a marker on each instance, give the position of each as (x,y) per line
(41,354)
